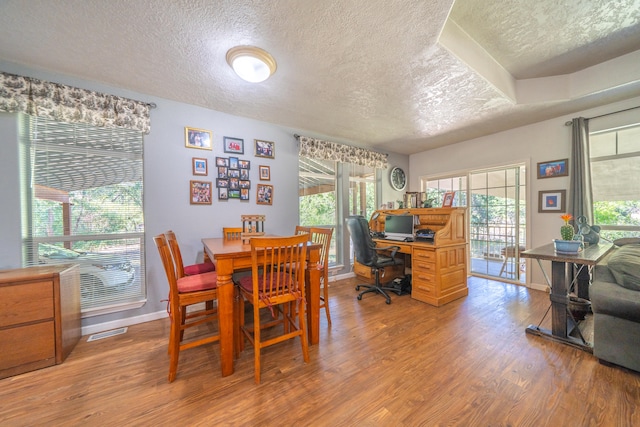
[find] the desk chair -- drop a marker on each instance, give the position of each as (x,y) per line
(183,292)
(368,254)
(277,282)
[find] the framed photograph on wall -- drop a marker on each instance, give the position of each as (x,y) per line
(264,194)
(222,162)
(551,201)
(197,138)
(265,173)
(199,166)
(233,145)
(244,164)
(223,193)
(200,192)
(447,200)
(553,168)
(265,149)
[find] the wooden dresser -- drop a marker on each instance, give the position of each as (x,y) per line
(39,317)
(438,266)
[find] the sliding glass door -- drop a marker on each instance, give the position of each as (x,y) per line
(497,225)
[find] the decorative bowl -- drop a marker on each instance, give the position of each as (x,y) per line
(567,246)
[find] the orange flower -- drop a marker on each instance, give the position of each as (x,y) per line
(567,218)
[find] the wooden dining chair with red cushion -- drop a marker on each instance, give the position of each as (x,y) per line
(323,236)
(186,270)
(184,292)
(276,282)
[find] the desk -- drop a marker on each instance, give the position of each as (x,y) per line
(562,322)
(438,271)
(232,255)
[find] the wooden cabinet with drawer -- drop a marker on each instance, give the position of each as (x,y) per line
(439,274)
(39,317)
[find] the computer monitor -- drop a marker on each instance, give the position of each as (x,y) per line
(398,227)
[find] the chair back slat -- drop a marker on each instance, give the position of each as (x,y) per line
(323,236)
(231,233)
(172,240)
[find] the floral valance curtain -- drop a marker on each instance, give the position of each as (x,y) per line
(326,150)
(56,101)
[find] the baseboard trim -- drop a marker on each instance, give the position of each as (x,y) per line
(106,326)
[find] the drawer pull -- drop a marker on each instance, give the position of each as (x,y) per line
(422,288)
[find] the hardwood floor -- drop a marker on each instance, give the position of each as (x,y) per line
(468,363)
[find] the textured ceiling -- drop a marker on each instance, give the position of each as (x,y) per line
(396,76)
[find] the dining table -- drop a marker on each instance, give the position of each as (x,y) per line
(235,255)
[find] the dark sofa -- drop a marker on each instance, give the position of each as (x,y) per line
(615,301)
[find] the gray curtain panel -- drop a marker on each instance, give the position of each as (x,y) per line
(580,193)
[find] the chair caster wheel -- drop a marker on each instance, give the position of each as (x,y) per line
(359,297)
(388,301)
(358,288)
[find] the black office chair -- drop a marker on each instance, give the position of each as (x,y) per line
(368,254)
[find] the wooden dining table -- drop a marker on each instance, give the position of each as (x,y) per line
(234,255)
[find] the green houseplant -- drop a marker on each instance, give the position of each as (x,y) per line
(566,231)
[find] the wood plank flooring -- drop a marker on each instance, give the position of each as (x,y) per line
(468,363)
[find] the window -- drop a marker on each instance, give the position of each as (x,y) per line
(82,203)
(615,160)
(317,195)
(362,190)
(435,189)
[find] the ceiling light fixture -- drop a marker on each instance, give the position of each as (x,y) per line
(251,63)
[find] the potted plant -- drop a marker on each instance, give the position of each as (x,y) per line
(567,244)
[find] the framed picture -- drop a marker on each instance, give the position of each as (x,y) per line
(199,166)
(553,168)
(234,173)
(197,138)
(223,193)
(233,145)
(200,192)
(222,183)
(234,194)
(265,173)
(222,162)
(223,172)
(244,194)
(265,149)
(551,201)
(264,195)
(244,164)
(447,200)
(245,184)
(244,173)
(233,163)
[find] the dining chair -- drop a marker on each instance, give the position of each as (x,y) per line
(184,292)
(181,269)
(231,233)
(301,229)
(276,282)
(323,236)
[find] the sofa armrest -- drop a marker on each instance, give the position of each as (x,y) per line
(607,297)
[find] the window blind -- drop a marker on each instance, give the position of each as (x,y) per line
(82,203)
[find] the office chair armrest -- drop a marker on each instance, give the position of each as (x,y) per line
(393,250)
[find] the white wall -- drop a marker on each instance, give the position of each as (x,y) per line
(543,141)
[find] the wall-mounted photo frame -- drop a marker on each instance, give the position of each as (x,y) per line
(223,172)
(233,145)
(223,193)
(245,184)
(265,173)
(244,164)
(244,194)
(552,201)
(222,183)
(264,194)
(222,162)
(244,173)
(265,149)
(447,200)
(197,138)
(553,168)
(233,163)
(200,192)
(199,166)
(234,194)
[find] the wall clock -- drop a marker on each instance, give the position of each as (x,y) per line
(398,179)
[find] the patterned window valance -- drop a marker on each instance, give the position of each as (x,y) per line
(326,150)
(69,104)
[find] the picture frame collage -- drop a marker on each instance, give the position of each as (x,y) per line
(552,201)
(232,174)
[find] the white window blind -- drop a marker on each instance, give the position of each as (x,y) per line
(82,203)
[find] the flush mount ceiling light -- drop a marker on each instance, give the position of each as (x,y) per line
(251,63)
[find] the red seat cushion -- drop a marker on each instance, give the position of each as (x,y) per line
(246,282)
(198,282)
(205,267)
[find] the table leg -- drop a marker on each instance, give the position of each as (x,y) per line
(558,299)
(225,316)
(584,277)
(312,290)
